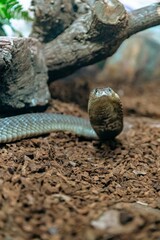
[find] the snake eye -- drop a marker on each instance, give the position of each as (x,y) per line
(109,89)
(95,90)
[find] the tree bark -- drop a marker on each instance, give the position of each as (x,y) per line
(53,17)
(91,38)
(143,18)
(23,74)
(96,35)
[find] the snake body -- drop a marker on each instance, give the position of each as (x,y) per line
(105,112)
(35,124)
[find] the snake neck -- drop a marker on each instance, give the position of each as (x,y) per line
(106,115)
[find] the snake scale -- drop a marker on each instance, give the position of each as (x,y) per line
(105,113)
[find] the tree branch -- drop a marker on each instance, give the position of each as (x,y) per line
(92,37)
(53,17)
(96,35)
(143,18)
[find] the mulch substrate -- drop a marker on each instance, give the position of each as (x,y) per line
(60,186)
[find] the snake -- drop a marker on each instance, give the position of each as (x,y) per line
(105,120)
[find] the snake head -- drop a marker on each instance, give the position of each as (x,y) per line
(106,92)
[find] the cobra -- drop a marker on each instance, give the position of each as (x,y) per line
(105,114)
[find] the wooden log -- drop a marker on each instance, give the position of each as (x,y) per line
(23,74)
(96,35)
(92,37)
